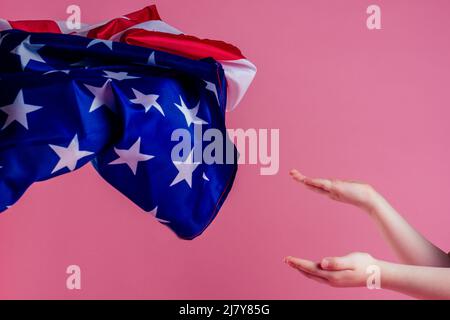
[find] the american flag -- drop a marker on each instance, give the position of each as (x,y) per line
(112,94)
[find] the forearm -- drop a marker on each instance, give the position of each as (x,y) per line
(416,281)
(411,246)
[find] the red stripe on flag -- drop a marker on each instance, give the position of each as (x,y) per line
(145,14)
(184,45)
(117,25)
(36,26)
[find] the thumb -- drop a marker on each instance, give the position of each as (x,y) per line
(336,263)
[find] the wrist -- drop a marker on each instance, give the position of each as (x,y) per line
(387,274)
(374,202)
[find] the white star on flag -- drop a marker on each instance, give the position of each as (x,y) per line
(102,96)
(56,71)
(2,38)
(151,59)
(68,157)
(190,114)
(212,87)
(18,111)
(185,170)
(107,43)
(81,63)
(154,213)
(118,75)
(131,157)
(27,52)
(147,101)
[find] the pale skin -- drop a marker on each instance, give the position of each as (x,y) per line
(425,269)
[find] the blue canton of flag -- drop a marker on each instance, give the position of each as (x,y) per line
(67,100)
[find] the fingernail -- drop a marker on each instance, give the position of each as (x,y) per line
(325,263)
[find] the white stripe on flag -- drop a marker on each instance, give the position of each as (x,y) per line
(4,25)
(153,25)
(240,74)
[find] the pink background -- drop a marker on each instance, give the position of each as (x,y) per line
(352,103)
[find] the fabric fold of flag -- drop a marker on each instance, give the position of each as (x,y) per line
(146,28)
(67,100)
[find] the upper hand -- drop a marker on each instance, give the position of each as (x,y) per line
(352,192)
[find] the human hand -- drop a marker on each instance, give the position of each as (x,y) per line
(348,271)
(352,192)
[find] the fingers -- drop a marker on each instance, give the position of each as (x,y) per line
(337,263)
(317,279)
(321,184)
(306,266)
(333,277)
(317,190)
(292,264)
(297,176)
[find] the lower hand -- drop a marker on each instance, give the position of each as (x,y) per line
(347,271)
